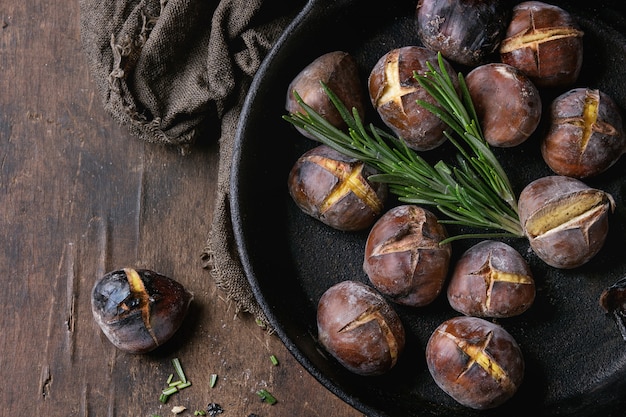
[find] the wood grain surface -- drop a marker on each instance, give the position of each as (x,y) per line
(80,197)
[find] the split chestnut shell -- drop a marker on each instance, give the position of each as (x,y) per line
(139,310)
(565,221)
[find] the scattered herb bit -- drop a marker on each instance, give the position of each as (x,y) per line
(175,383)
(274,360)
(199,413)
(179,370)
(476,193)
(169,391)
(266,396)
(214,409)
(163,398)
(178,409)
(213,380)
(169,378)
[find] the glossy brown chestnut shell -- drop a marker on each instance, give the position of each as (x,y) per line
(508,104)
(565,220)
(467,32)
(335,189)
(394,92)
(476,362)
(139,310)
(491,279)
(404,258)
(339,71)
(586,134)
(359,328)
(545,42)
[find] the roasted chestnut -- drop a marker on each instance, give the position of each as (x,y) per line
(138,310)
(404,257)
(468,32)
(491,279)
(476,362)
(394,92)
(507,103)
(359,328)
(586,135)
(565,220)
(335,189)
(544,41)
(339,71)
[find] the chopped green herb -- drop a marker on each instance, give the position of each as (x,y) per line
(213,380)
(266,396)
(199,413)
(179,370)
(163,398)
(169,391)
(175,383)
(169,378)
(185,385)
(274,360)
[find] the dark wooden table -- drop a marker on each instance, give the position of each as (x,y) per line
(80,197)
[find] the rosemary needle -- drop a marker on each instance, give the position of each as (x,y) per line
(475,193)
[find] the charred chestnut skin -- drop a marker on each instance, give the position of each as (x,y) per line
(138,310)
(508,104)
(404,258)
(545,43)
(394,92)
(359,328)
(476,362)
(566,221)
(467,32)
(586,134)
(334,189)
(339,71)
(491,279)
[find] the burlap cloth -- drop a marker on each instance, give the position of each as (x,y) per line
(174,71)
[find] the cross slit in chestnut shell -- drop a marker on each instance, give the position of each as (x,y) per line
(139,310)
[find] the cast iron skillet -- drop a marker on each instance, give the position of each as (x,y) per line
(575,356)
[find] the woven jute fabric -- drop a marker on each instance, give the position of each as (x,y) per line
(172,70)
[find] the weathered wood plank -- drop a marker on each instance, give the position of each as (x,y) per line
(80,197)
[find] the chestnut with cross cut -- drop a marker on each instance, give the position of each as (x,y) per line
(359,328)
(138,309)
(476,362)
(491,279)
(586,135)
(394,91)
(566,221)
(404,258)
(335,189)
(544,42)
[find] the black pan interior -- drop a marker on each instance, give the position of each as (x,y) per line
(575,355)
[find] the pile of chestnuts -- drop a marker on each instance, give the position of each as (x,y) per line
(510,54)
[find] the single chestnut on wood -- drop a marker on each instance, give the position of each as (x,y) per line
(394,92)
(491,279)
(476,362)
(334,188)
(545,42)
(359,328)
(566,221)
(138,310)
(467,32)
(339,71)
(586,134)
(508,104)
(404,257)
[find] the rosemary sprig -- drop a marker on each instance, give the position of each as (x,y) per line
(476,193)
